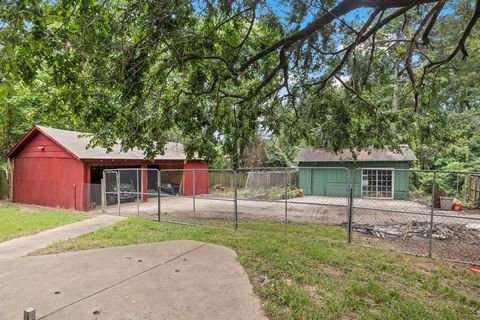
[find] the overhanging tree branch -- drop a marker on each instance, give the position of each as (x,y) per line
(339,67)
(460,45)
(437,9)
(340,10)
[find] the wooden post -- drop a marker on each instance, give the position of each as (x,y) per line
(475,190)
(74,196)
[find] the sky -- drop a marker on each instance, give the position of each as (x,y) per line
(283,8)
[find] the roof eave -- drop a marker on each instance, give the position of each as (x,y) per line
(21,142)
(29,135)
(59,143)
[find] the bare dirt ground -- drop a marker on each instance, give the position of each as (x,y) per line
(449,241)
(453,249)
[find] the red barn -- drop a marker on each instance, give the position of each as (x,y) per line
(51,167)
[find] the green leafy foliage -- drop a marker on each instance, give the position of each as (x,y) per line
(144,73)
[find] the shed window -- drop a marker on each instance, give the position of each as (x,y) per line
(377,183)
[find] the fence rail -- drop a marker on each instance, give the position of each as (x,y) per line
(428,213)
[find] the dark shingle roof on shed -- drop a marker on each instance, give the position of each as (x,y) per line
(76,143)
(325,155)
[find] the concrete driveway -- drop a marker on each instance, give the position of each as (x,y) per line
(168,280)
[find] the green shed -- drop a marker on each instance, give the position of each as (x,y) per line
(378,173)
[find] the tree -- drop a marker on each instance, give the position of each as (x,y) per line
(217,71)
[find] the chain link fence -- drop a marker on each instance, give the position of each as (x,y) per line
(92,196)
(428,213)
(131,192)
(262,196)
(198,196)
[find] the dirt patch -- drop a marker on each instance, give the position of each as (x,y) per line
(313,293)
(454,242)
(422,230)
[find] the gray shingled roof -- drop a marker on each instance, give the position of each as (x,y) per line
(325,155)
(76,143)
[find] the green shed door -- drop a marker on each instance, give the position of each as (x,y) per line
(329,182)
(305,180)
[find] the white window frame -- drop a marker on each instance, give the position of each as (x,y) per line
(393,183)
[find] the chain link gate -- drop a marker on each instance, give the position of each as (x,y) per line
(132,192)
(110,205)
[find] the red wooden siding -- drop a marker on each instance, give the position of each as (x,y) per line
(40,146)
(52,182)
(201,178)
(45,174)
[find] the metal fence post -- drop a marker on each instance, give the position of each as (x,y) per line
(430,244)
(285,180)
(159,194)
(350,215)
(235,203)
(103,191)
(138,191)
(118,190)
(458,187)
(193,188)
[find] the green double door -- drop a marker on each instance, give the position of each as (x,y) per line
(331,182)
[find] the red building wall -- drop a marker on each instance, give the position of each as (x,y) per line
(201,178)
(45,174)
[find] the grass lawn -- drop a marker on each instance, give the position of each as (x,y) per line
(15,222)
(300,275)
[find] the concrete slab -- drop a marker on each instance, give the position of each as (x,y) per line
(21,246)
(167,280)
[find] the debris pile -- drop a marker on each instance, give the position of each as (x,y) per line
(420,230)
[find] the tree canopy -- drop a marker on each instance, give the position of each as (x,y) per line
(340,74)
